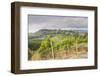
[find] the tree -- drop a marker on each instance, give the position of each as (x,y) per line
(52,50)
(76,38)
(46,46)
(67,43)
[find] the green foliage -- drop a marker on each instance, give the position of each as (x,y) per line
(60,42)
(30,52)
(34,44)
(45,44)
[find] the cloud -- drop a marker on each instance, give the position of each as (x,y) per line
(37,22)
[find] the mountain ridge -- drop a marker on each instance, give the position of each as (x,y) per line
(44,32)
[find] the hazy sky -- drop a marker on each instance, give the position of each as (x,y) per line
(37,22)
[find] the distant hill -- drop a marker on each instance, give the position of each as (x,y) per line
(43,32)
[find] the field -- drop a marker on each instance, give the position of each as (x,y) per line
(47,44)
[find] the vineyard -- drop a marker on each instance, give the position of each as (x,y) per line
(57,44)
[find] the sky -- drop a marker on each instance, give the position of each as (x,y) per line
(37,22)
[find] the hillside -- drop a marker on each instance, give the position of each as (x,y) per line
(43,32)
